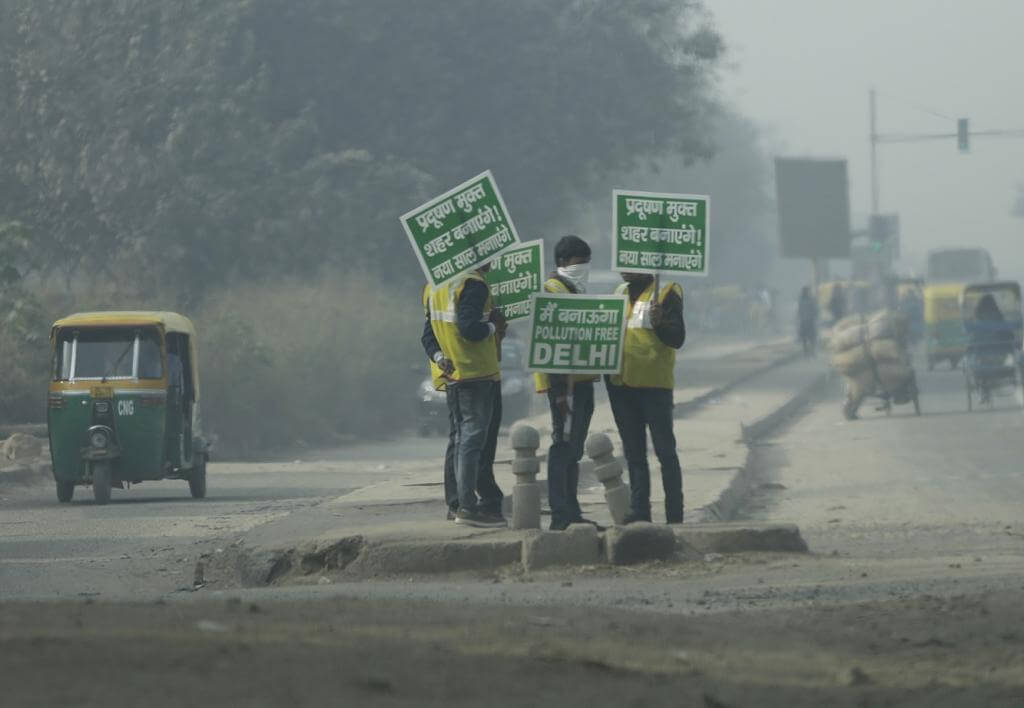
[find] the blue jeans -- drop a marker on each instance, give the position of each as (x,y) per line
(476,411)
(566,451)
(635,410)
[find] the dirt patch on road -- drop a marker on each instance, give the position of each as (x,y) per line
(921,652)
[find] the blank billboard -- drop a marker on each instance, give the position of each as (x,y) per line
(814,208)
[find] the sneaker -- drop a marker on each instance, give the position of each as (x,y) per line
(451,515)
(477,519)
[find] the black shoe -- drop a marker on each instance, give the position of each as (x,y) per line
(478,519)
(582,520)
(497,518)
(632,517)
(557,525)
(451,514)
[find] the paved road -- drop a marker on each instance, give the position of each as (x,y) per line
(910,597)
(149,538)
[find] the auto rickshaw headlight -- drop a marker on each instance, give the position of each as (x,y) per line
(99,439)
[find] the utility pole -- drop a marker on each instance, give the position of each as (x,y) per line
(874,154)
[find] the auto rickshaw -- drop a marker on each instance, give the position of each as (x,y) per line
(123,403)
(943,328)
(993,360)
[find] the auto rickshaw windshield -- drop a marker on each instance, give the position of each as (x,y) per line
(108,354)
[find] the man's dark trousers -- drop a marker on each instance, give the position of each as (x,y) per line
(487,488)
(566,451)
(451,487)
(635,410)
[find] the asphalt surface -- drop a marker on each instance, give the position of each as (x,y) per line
(148,540)
(910,595)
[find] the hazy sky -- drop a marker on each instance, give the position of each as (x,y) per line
(802,69)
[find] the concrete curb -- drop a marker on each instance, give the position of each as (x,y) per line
(732,499)
(740,537)
(694,404)
(358,558)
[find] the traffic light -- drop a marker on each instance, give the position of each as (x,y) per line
(962,134)
(883,227)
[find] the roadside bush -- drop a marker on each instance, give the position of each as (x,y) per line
(302,363)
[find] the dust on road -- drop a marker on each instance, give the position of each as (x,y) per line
(924,651)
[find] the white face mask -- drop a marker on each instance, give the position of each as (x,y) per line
(577,274)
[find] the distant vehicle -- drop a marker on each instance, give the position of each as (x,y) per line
(992,363)
(516,393)
(960,265)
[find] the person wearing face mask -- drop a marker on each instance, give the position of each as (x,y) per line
(570,398)
(641,395)
(461,337)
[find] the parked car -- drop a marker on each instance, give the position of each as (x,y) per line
(516,393)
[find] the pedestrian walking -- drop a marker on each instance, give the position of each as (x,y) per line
(641,396)
(837,303)
(466,329)
(807,321)
(570,397)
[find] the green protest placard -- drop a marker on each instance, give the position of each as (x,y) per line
(460,230)
(514,276)
(660,233)
(577,334)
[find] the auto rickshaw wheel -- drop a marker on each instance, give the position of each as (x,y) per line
(65,491)
(101,482)
(197,480)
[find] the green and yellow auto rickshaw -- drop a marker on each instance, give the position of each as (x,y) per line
(945,337)
(123,403)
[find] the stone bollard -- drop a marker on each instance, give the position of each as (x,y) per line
(608,470)
(526,492)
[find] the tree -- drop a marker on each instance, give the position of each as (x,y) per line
(183,144)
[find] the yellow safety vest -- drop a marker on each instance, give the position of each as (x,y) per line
(543,381)
(436,375)
(473,360)
(646,361)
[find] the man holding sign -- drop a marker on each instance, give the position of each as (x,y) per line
(455,237)
(641,395)
(461,337)
(570,396)
(653,233)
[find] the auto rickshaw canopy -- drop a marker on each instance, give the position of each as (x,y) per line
(165,321)
(1005,292)
(942,302)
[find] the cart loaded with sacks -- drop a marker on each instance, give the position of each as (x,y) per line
(871,354)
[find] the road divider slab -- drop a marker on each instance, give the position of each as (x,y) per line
(639,543)
(580,544)
(396,528)
(741,537)
(358,557)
